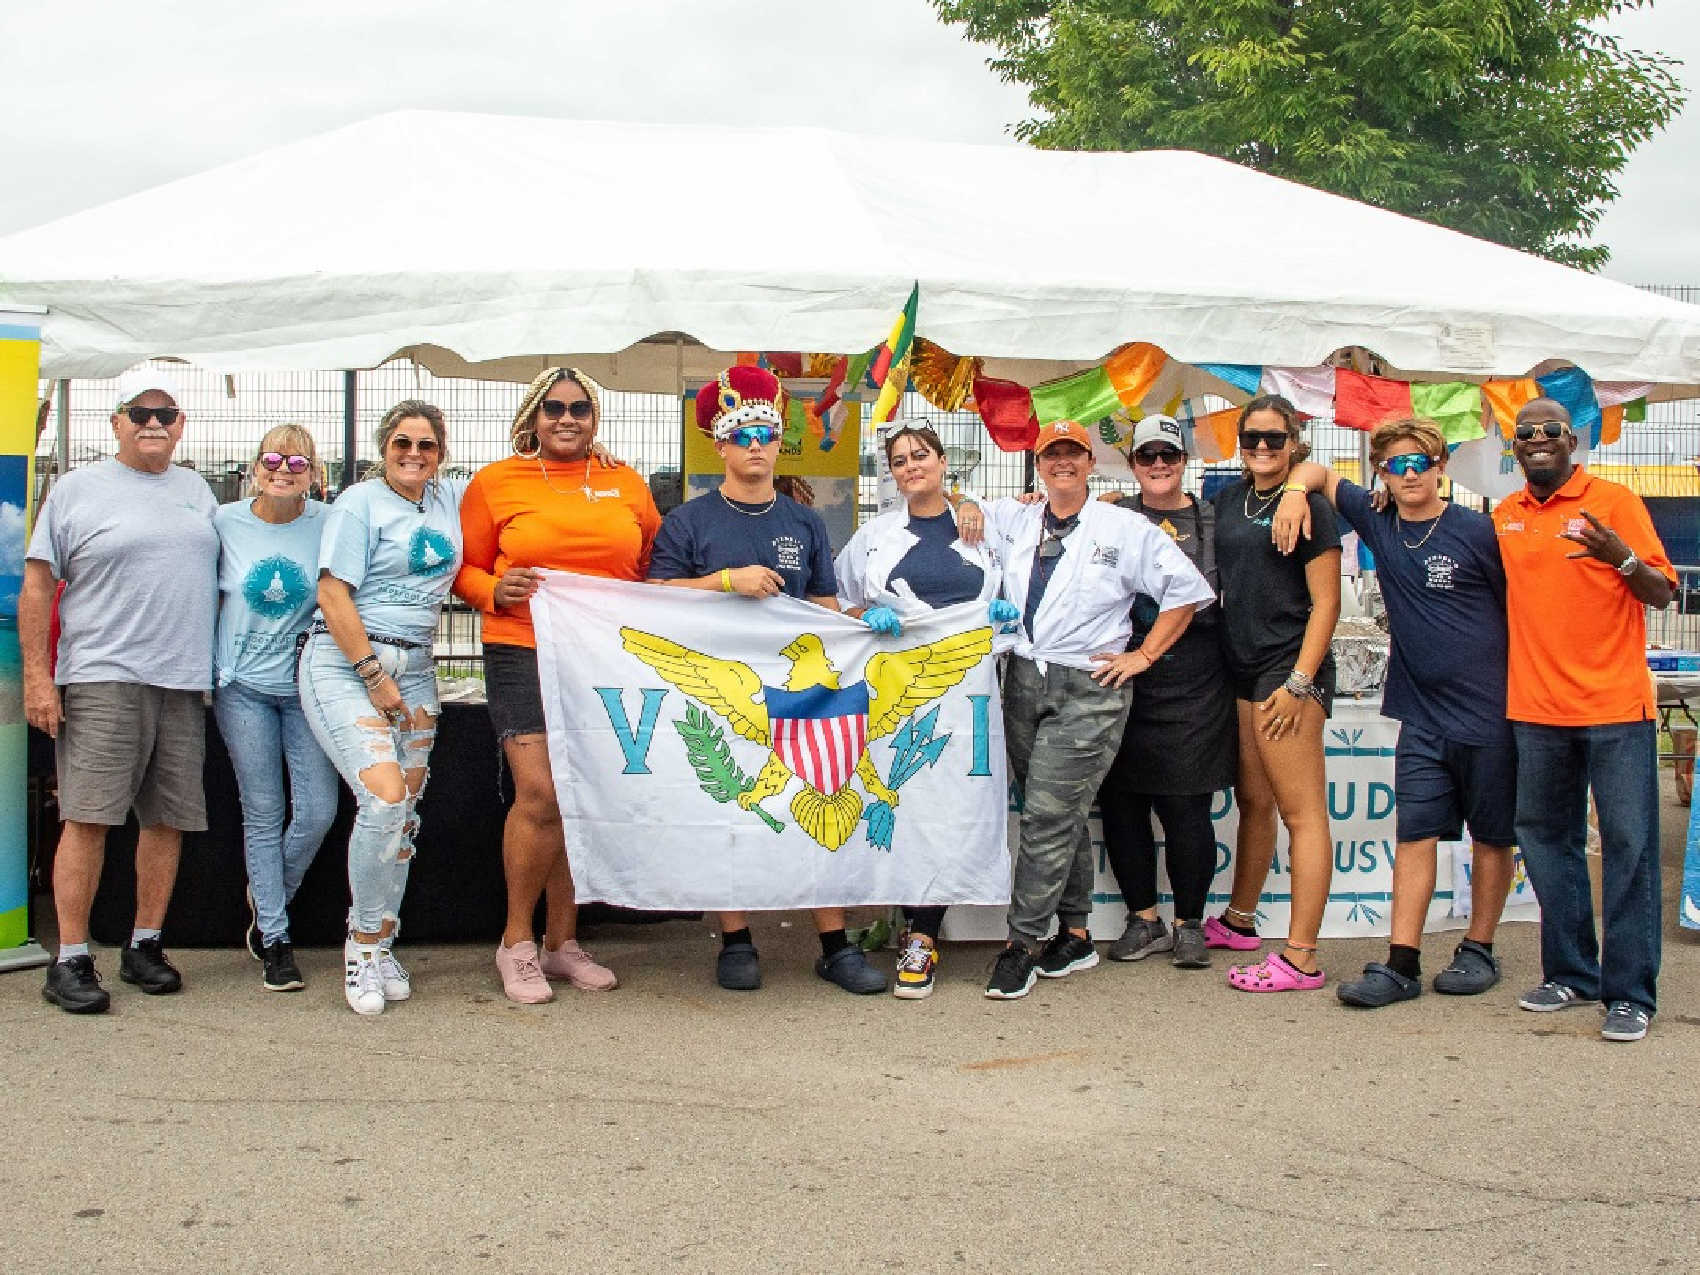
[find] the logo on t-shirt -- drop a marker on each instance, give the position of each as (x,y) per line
(429,552)
(1441,570)
(788,550)
(274,587)
(1105,555)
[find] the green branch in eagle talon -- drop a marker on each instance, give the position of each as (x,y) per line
(706,750)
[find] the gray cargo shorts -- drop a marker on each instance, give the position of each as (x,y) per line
(123,745)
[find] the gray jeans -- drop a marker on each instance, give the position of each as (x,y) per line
(1062,730)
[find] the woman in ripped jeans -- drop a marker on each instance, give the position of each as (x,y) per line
(387,557)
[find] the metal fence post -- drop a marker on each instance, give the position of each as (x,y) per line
(350,426)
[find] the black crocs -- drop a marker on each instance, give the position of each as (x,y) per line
(1380,985)
(1474,969)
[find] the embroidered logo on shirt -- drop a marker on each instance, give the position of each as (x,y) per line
(1105,555)
(1511,526)
(429,552)
(789,552)
(274,587)
(1440,569)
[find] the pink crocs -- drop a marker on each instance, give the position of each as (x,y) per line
(522,979)
(1274,973)
(572,963)
(1217,934)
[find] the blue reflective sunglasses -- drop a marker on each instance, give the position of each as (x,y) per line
(1412,463)
(758,435)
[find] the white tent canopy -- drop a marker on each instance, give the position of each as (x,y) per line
(491,245)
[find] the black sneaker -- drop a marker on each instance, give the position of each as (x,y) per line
(1066,953)
(282,973)
(144,964)
(253,938)
(75,987)
(1014,974)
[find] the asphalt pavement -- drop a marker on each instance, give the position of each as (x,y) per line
(1129,1118)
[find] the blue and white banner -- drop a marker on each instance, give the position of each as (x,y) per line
(716,752)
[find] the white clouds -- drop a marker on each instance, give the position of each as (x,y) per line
(11,539)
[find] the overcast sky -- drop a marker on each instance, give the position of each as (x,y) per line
(109,98)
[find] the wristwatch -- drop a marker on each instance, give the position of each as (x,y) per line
(1629,566)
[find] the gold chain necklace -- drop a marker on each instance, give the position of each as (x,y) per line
(736,508)
(588,493)
(1426,534)
(1250,491)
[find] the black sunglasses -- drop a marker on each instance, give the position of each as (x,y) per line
(1273,439)
(1151,455)
(1552,429)
(166,416)
(579,409)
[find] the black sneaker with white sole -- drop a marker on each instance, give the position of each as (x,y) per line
(282,973)
(1014,974)
(1065,953)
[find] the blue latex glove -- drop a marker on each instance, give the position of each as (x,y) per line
(883,620)
(1002,612)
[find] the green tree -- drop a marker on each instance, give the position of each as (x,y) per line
(1505,119)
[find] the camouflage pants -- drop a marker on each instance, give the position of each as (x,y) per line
(1062,730)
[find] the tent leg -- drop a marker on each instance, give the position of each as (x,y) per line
(350,427)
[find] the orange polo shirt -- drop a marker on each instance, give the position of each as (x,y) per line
(1578,654)
(518,514)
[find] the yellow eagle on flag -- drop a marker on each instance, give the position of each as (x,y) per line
(813,727)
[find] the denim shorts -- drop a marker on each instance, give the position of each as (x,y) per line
(1441,786)
(512,688)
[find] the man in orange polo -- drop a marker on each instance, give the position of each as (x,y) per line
(1581,561)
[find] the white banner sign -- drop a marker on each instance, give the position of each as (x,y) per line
(715,752)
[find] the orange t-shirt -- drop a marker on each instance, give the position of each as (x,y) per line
(516,515)
(1578,654)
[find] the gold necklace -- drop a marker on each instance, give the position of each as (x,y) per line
(737,508)
(1250,491)
(1426,534)
(588,493)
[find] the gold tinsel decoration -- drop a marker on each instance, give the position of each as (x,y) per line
(943,379)
(821,365)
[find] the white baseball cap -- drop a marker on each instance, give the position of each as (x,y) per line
(139,380)
(1157,429)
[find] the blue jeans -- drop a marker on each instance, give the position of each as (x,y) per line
(264,733)
(1556,766)
(358,738)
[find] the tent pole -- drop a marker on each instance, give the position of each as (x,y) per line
(350,423)
(63,445)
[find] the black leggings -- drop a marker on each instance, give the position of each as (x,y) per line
(926,921)
(1189,842)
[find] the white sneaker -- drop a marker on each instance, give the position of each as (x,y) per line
(362,985)
(397,986)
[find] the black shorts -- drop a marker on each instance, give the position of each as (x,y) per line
(514,693)
(1256,685)
(1440,786)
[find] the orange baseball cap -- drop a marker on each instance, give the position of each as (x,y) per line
(1062,432)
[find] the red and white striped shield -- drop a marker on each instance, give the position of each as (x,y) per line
(819,733)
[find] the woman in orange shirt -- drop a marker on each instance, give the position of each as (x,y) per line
(554,503)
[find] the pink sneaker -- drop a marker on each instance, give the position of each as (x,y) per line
(572,963)
(522,979)
(1217,934)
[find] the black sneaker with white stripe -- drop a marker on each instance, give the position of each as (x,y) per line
(1625,1020)
(1014,974)
(1549,997)
(1066,953)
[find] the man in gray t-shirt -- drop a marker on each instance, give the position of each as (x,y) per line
(132,541)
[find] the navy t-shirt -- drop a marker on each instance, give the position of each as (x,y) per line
(937,574)
(1446,607)
(710,532)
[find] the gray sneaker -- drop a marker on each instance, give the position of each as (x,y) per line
(1550,996)
(1141,938)
(1625,1020)
(1191,950)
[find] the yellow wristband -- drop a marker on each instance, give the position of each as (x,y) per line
(726,579)
(1296,487)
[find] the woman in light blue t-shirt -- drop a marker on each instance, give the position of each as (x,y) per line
(267,580)
(388,555)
